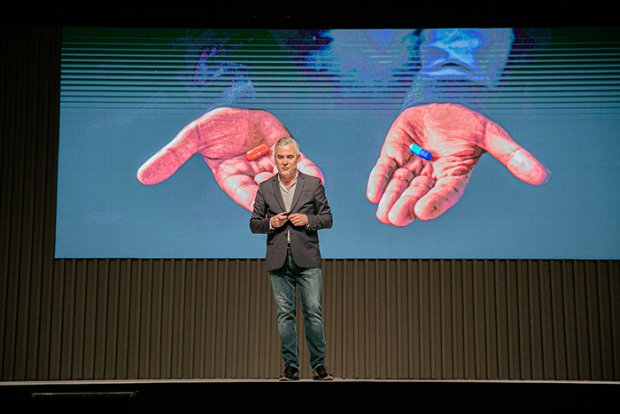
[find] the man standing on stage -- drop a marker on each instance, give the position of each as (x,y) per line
(290,208)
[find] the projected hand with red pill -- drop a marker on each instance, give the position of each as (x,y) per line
(427,178)
(237,144)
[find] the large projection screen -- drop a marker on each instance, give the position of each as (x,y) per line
(522,125)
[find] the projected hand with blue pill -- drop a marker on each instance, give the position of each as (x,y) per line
(428,156)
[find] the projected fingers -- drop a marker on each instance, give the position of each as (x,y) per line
(380,176)
(239,178)
(394,189)
(168,159)
(397,190)
(402,212)
(242,189)
(517,159)
(408,197)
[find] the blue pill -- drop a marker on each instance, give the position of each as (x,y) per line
(420,152)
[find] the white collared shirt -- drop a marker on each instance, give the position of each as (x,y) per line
(287,196)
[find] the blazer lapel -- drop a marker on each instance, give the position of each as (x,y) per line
(278,193)
(298,187)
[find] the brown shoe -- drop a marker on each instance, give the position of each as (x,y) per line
(321,374)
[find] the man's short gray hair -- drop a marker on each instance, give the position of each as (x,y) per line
(286,141)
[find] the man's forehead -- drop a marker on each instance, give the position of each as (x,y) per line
(285,149)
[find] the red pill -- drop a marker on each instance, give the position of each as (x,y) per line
(257,152)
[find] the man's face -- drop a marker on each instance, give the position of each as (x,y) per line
(286,160)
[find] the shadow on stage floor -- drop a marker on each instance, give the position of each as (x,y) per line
(205,395)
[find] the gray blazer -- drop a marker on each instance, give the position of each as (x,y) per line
(310,200)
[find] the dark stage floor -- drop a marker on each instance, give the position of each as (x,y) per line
(183,396)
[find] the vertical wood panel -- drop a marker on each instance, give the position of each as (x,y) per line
(581,320)
(122,317)
(77,356)
(391,317)
(536,325)
(6,181)
(546,325)
(558,331)
(480,345)
(211,321)
(605,330)
(68,315)
(593,323)
(458,331)
(26,162)
(254,312)
(524,317)
(55,348)
(414,318)
(614,300)
(145,297)
(512,303)
(490,317)
(435,305)
(42,369)
(133,297)
(425,317)
(404,320)
(570,318)
(502,321)
(227,320)
(11,188)
(365,335)
(354,331)
(469,339)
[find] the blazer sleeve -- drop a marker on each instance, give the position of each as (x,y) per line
(259,222)
(323,218)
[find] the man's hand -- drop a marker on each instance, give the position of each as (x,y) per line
(406,187)
(279,220)
(298,219)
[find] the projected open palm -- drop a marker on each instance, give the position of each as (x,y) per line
(223,136)
(406,187)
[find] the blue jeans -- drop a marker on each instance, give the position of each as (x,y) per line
(283,284)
